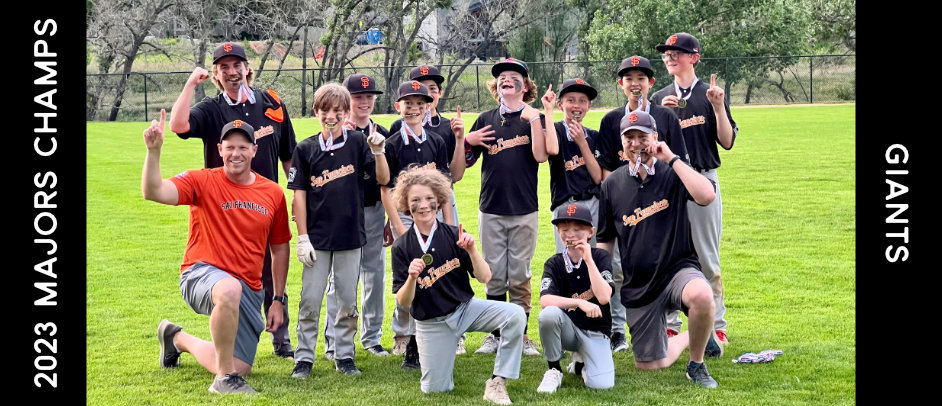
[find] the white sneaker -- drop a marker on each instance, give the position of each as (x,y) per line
(552,380)
(489,346)
(495,391)
(571,368)
(529,347)
(399,346)
(460,349)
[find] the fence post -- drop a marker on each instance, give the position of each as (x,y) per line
(811,76)
(146,117)
(477,82)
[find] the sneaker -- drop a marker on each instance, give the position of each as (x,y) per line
(329,355)
(489,346)
(495,391)
(619,342)
(460,349)
(713,348)
(169,354)
(552,380)
(699,374)
(671,332)
(399,347)
(577,359)
(229,384)
(411,360)
(378,351)
(284,351)
(721,334)
(302,369)
(529,347)
(347,367)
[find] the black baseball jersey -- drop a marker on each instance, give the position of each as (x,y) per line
(698,122)
(444,284)
(577,285)
(569,176)
(334,184)
(650,220)
(440,126)
(370,187)
(668,131)
(509,170)
(268,116)
(430,153)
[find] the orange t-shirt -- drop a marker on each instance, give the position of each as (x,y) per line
(231,225)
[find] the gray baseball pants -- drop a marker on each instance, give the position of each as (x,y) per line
(509,243)
(558,333)
(338,268)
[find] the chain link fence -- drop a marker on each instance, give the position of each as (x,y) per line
(758,80)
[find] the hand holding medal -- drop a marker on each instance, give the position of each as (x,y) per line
(416,267)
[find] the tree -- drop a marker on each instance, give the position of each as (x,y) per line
(725,28)
(119,29)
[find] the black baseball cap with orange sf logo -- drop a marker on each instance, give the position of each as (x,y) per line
(680,41)
(427,72)
(238,126)
(360,83)
(229,49)
(412,87)
(573,212)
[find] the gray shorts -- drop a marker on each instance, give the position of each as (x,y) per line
(196,286)
(648,323)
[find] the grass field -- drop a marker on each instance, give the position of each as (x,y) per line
(788,247)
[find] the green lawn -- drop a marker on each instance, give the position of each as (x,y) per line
(787,254)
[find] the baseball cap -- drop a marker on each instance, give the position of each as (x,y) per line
(638,120)
(229,49)
(413,87)
(573,212)
(681,41)
(578,85)
(635,62)
(427,72)
(238,126)
(360,83)
(510,64)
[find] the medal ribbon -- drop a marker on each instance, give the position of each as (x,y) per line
(426,243)
(244,91)
(329,144)
(407,132)
(633,171)
(504,108)
(677,88)
(568,262)
(642,105)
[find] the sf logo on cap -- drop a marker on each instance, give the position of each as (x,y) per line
(632,118)
(580,82)
(423,70)
(227,47)
(365,81)
(571,209)
(237,124)
(635,60)
(415,85)
(672,39)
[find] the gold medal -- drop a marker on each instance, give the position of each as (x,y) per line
(636,93)
(427,258)
(681,103)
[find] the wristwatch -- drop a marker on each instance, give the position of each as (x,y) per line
(282,299)
(671,163)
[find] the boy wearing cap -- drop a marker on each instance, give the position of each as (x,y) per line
(363,93)
(513,142)
(706,121)
(432,266)
(264,111)
(644,205)
(575,174)
(635,77)
(575,292)
(451,131)
(413,145)
(221,276)
(326,176)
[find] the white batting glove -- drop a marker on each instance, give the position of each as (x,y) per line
(306,251)
(377,143)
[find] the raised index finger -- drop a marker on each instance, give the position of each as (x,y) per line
(163,117)
(713,80)
(459,112)
(550,88)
